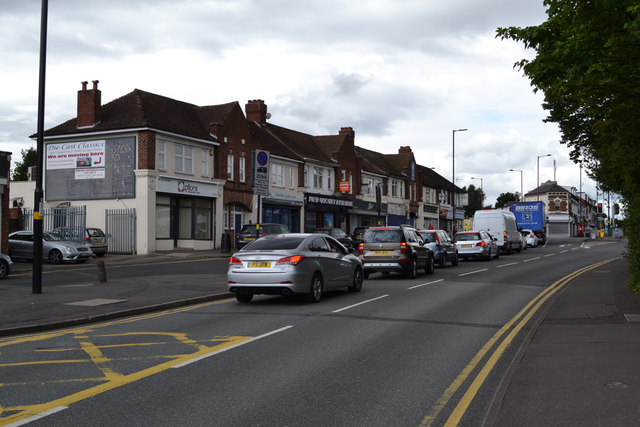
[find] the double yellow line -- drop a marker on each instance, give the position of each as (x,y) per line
(513,327)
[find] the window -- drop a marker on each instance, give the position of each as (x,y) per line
(205,162)
(230,167)
(394,188)
(329,186)
(317,178)
(292,178)
(162,156)
(344,175)
(241,169)
(277,175)
(370,188)
(163,217)
(184,158)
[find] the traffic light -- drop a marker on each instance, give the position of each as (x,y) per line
(616,209)
(599,208)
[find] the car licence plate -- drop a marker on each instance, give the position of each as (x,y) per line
(259,264)
(467,246)
(98,240)
(382,252)
(249,238)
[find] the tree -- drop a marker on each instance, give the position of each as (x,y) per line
(21,171)
(475,200)
(504,198)
(587,62)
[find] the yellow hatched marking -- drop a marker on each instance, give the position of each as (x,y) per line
(112,380)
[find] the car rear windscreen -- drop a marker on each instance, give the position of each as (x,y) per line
(382,236)
(273,244)
(467,236)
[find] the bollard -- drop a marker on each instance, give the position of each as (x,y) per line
(225,243)
(102,271)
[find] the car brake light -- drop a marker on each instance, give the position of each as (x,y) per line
(403,247)
(291,260)
(234,260)
(361,248)
(87,239)
(481,244)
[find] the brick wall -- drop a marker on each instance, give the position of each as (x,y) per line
(146,150)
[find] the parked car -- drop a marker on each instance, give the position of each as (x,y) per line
(296,263)
(531,238)
(251,232)
(92,236)
(54,248)
(5,266)
(337,233)
(395,248)
(476,244)
(444,250)
(502,225)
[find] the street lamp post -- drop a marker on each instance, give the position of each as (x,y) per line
(481,192)
(453,173)
(521,186)
(538,189)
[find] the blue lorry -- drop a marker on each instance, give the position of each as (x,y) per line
(530,216)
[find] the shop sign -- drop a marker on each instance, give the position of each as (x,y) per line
(330,201)
(345,186)
(187,188)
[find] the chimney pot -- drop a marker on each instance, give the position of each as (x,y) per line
(95,84)
(84,85)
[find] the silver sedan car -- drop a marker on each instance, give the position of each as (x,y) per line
(54,248)
(476,244)
(286,264)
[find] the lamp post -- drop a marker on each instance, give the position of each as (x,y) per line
(521,187)
(538,189)
(481,192)
(453,173)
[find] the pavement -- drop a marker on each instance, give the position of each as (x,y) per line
(577,367)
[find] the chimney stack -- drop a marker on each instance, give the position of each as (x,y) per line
(405,149)
(89,104)
(256,111)
(348,131)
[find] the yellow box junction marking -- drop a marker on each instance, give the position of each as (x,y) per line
(80,339)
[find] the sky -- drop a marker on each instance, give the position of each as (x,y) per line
(399,72)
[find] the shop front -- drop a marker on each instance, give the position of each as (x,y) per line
(397,214)
(283,208)
(365,214)
(430,217)
(185,214)
(326,212)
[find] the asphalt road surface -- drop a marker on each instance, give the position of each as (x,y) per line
(426,351)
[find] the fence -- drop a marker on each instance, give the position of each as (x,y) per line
(67,216)
(121,226)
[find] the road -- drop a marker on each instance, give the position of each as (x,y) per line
(402,352)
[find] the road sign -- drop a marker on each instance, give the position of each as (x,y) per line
(261,173)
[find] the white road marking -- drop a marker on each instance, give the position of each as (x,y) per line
(360,303)
(473,272)
(204,356)
(531,259)
(37,417)
(506,265)
(550,254)
(566,250)
(425,284)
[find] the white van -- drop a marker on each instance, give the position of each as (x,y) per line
(502,225)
